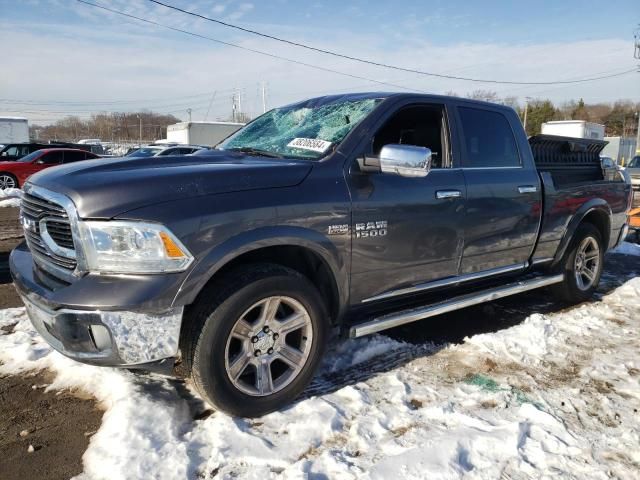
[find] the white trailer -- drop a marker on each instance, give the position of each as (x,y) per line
(201,133)
(13,130)
(574,128)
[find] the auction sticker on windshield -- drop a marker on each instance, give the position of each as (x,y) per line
(313,144)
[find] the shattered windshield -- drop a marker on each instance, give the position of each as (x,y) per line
(304,130)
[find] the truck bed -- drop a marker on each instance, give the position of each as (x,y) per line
(568,160)
(573,182)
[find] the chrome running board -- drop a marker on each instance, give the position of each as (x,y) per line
(455,280)
(407,316)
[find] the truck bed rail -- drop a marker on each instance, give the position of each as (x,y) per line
(569,160)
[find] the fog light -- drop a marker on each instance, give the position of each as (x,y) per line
(101,337)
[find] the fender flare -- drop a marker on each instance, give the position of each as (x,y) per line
(251,240)
(593,205)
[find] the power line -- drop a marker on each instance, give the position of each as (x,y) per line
(615,72)
(98,111)
(372,62)
(259,52)
(104,102)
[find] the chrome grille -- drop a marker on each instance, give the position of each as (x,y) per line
(33,209)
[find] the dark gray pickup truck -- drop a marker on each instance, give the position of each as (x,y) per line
(353,212)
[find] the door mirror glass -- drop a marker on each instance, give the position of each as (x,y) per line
(405,160)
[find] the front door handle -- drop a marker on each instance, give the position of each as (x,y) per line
(527,189)
(440,194)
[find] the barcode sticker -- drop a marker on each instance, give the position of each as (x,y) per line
(313,144)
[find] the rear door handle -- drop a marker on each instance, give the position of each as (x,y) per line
(527,189)
(440,194)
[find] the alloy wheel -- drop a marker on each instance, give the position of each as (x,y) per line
(268,346)
(587,263)
(7,181)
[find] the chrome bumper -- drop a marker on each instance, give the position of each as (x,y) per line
(123,339)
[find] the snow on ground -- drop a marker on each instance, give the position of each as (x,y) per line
(10,197)
(627,248)
(556,396)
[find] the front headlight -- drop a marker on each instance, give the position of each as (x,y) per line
(131,247)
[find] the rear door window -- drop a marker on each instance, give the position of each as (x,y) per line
(52,158)
(23,150)
(488,139)
(70,157)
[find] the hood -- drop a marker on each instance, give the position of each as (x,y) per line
(109,187)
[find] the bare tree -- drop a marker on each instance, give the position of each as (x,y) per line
(114,127)
(486,95)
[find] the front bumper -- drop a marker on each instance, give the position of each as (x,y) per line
(123,339)
(145,337)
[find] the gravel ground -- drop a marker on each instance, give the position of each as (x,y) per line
(56,426)
(10,236)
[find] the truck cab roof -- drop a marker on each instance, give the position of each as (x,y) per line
(326,99)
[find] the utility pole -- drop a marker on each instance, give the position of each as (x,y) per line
(638,134)
(140,133)
(526,111)
(189,112)
(233,107)
(264,98)
(236,106)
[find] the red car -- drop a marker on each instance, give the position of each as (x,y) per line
(14,174)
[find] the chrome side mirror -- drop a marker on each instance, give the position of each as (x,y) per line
(405,160)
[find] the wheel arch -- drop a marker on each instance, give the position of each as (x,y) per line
(598,213)
(306,251)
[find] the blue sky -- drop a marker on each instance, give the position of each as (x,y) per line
(63,51)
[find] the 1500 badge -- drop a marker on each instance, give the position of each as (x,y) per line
(338,229)
(371,229)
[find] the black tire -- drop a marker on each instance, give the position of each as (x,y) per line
(570,290)
(10,176)
(208,327)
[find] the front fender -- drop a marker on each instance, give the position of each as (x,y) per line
(248,241)
(593,205)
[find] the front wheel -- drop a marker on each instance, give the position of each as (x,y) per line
(256,343)
(8,181)
(582,265)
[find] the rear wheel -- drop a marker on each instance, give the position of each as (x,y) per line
(255,344)
(8,181)
(582,265)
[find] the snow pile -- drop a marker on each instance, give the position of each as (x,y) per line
(556,396)
(10,197)
(627,248)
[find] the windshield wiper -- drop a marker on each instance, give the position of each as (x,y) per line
(255,151)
